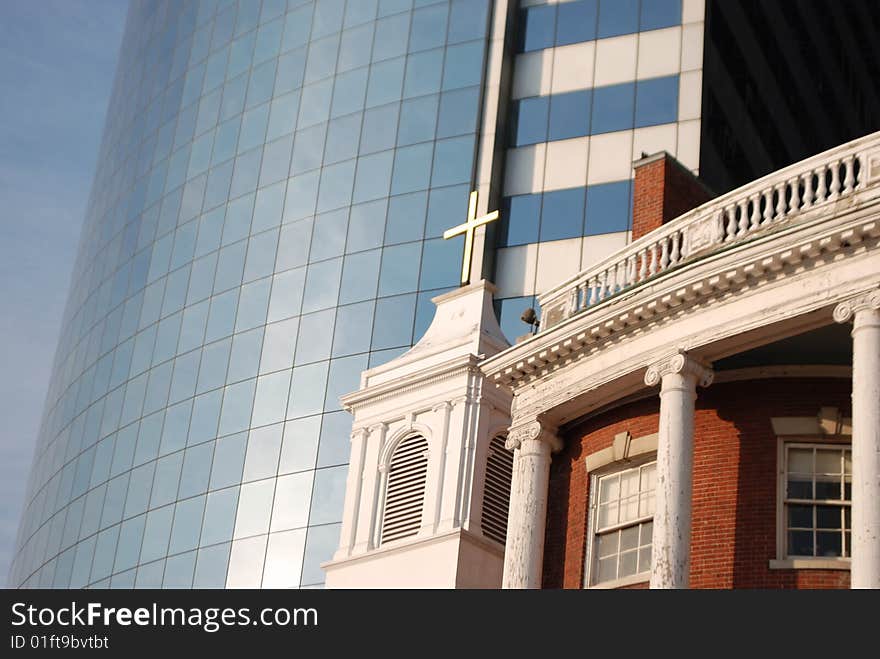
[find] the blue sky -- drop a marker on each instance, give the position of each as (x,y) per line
(57,60)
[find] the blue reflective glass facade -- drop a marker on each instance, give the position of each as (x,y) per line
(264,224)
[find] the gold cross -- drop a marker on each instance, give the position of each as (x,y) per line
(468,229)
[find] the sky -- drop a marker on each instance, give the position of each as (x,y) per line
(57,61)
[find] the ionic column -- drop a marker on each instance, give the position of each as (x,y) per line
(524,551)
(678,376)
(864,310)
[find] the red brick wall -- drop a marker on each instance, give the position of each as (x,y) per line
(734,488)
(663,190)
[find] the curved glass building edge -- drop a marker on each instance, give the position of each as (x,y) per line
(265,223)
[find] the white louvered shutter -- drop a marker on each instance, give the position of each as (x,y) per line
(496,491)
(405,495)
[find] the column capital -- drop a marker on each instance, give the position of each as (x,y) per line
(681,363)
(867,300)
(359,433)
(524,431)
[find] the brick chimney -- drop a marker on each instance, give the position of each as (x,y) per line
(663,190)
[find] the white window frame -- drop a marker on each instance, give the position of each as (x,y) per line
(590,558)
(783,561)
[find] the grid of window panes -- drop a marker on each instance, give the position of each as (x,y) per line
(594,213)
(265,223)
(818,496)
(623,523)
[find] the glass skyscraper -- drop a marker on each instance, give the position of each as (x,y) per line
(265,223)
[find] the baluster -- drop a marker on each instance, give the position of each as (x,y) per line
(834,190)
(643,264)
(730,229)
(676,248)
(652,268)
(780,201)
(571,308)
(768,206)
(631,270)
(603,288)
(755,219)
(821,188)
(594,282)
(794,204)
(808,190)
(850,178)
(664,256)
(620,275)
(743,225)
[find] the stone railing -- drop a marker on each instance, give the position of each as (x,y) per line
(735,217)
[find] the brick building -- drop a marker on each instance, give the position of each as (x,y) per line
(754,315)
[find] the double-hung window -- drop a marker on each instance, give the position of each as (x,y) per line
(621,523)
(817,500)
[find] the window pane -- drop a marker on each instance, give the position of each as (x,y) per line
(829,544)
(800,543)
(800,516)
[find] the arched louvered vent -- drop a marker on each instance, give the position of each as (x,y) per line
(496,491)
(405,495)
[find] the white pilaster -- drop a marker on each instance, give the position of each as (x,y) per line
(527,519)
(353,489)
(864,310)
(678,375)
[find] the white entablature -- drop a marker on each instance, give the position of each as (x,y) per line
(429,502)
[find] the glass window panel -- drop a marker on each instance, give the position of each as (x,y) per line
(391,37)
(335,439)
(464,65)
(576,22)
(400,269)
(344,378)
(366,226)
(129,545)
(82,563)
(315,105)
(254,508)
(287,291)
(329,235)
(618,17)
(828,487)
(328,496)
(800,516)
(246,563)
(406,217)
(428,28)
(827,462)
(393,321)
(342,138)
(458,112)
(156,534)
(829,544)
(530,122)
(215,360)
(230,268)
(253,304)
(563,214)
(148,438)
(271,398)
(114,501)
(423,72)
(157,388)
(282,115)
(322,285)
(123,450)
(196,470)
(829,517)
(299,448)
(239,214)
(659,14)
(245,356)
(608,208)
(166,480)
(296,27)
(175,428)
(569,115)
(179,571)
(276,162)
(373,176)
(219,519)
(613,108)
(293,245)
(379,129)
(656,101)
(453,161)
(211,567)
(261,255)
(238,402)
(279,345)
(205,417)
(263,450)
(284,556)
(538,28)
(520,220)
(225,141)
(315,337)
(210,231)
(353,45)
(187,524)
(385,83)
(268,39)
(353,328)
(268,207)
(412,168)
(441,263)
(307,390)
(321,59)
(291,507)
(105,549)
(418,120)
